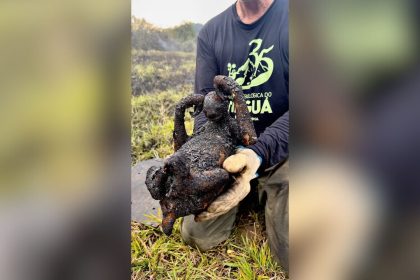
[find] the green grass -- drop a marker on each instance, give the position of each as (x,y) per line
(245,255)
(152,124)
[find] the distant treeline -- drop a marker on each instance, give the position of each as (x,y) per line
(146,36)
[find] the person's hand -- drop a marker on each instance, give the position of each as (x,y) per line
(246,162)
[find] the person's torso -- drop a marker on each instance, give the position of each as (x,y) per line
(256,56)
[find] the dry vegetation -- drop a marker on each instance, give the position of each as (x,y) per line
(156,71)
(160,80)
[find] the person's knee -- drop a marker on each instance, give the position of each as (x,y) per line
(196,235)
(208,234)
(195,242)
(187,234)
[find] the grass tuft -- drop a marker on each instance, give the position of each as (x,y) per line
(245,255)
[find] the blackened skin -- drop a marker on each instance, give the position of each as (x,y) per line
(180,134)
(193,176)
(228,87)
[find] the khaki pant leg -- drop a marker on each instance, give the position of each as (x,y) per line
(208,234)
(274,185)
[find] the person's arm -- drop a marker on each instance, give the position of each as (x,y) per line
(273,144)
(271,148)
(206,69)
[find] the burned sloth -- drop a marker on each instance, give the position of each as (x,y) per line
(193,176)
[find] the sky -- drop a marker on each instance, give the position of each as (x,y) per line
(166,13)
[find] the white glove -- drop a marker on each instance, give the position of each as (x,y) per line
(245,161)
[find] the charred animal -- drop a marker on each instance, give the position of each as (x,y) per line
(193,176)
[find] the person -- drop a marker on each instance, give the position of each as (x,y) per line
(249,43)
